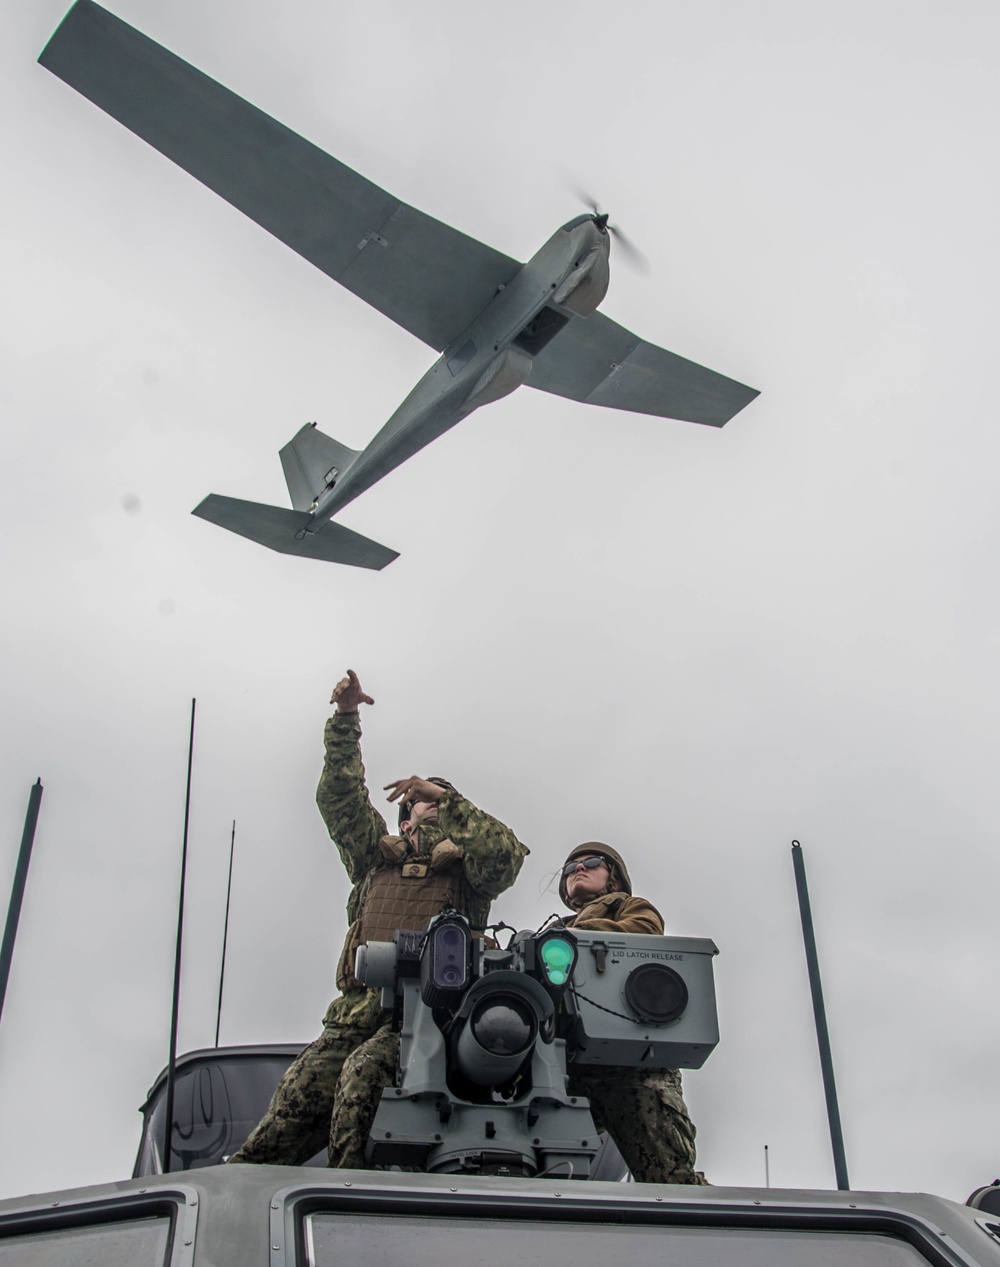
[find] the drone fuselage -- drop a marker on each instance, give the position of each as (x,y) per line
(489,359)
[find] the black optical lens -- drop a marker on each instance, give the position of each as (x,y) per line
(656,993)
(589,863)
(449,956)
(503,1025)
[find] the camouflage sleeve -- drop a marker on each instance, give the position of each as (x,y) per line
(355,826)
(634,915)
(492,853)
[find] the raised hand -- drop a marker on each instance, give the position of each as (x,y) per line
(347,694)
(414,789)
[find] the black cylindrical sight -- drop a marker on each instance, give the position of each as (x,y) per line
(446,961)
(450,954)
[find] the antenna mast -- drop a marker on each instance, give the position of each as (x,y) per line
(819,1012)
(17,888)
(225,932)
(172,1060)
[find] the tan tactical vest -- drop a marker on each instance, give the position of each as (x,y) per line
(406,892)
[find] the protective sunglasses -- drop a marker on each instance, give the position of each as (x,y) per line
(590,863)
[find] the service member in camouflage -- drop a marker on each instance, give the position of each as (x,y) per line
(642,1110)
(449,853)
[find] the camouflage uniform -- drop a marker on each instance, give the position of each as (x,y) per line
(367,1071)
(642,1110)
(485,856)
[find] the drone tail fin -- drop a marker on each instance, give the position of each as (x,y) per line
(291,532)
(312,462)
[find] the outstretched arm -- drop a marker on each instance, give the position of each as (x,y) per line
(347,694)
(492,853)
(355,826)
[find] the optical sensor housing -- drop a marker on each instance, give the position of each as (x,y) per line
(642,1001)
(446,961)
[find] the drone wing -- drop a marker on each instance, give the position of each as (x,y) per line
(429,278)
(283,530)
(601,363)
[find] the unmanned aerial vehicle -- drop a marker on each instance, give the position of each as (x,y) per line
(496,322)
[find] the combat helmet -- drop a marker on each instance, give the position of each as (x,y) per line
(404,806)
(619,871)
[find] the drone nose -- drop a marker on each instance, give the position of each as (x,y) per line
(602,222)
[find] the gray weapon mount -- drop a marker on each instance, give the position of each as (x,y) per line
(490,1039)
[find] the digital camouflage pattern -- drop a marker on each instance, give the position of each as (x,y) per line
(644,1113)
(492,853)
(366,1071)
(297,1121)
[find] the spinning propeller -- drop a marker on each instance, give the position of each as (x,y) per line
(629,251)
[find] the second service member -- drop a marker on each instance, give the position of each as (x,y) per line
(643,1110)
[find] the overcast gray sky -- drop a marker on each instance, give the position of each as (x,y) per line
(694,644)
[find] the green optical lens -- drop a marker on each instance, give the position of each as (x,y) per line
(557,956)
